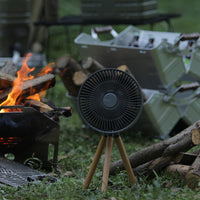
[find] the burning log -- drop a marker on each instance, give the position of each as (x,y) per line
(32,87)
(9,68)
(38,105)
(71,74)
(171,147)
(6,80)
(44,108)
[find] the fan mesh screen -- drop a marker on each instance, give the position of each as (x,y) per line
(110,101)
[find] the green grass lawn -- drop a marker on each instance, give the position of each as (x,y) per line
(78,145)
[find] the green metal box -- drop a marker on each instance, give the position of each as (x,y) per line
(158,117)
(192,111)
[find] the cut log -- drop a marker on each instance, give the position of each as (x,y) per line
(185,158)
(38,105)
(32,87)
(62,111)
(182,170)
(6,80)
(9,68)
(91,65)
(42,107)
(67,67)
(79,77)
(181,142)
(124,68)
(148,169)
(193,175)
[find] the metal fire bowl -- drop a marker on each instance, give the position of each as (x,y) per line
(29,125)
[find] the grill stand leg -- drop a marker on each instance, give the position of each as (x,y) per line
(108,142)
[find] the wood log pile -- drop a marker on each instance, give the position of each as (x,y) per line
(170,155)
(29,88)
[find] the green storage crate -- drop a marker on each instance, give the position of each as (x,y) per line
(158,117)
(154,68)
(194,68)
(192,112)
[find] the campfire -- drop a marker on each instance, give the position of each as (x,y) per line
(25,86)
(28,122)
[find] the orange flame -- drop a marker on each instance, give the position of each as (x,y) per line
(22,76)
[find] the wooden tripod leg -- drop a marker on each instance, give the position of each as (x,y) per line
(95,162)
(107,161)
(125,159)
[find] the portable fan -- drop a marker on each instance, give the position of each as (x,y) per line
(110,101)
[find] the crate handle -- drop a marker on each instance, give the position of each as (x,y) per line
(101,30)
(181,88)
(189,36)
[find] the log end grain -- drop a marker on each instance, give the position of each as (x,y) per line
(195,136)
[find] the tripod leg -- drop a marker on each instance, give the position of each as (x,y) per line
(107,161)
(125,159)
(94,162)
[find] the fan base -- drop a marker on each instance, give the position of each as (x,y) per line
(107,141)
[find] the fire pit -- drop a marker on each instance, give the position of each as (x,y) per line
(28,126)
(27,134)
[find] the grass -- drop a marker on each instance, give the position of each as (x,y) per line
(78,145)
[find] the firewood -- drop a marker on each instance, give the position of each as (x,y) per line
(193,175)
(124,68)
(181,142)
(32,87)
(67,67)
(91,65)
(182,170)
(149,168)
(62,111)
(9,68)
(6,80)
(4,94)
(185,158)
(42,107)
(79,77)
(38,105)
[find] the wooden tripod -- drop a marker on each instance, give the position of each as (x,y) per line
(108,142)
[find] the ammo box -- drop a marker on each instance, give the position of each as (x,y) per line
(157,117)
(192,112)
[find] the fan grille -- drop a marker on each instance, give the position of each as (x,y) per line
(110,101)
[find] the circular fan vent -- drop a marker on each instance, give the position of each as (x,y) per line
(110,101)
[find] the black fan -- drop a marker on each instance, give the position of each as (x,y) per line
(110,101)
